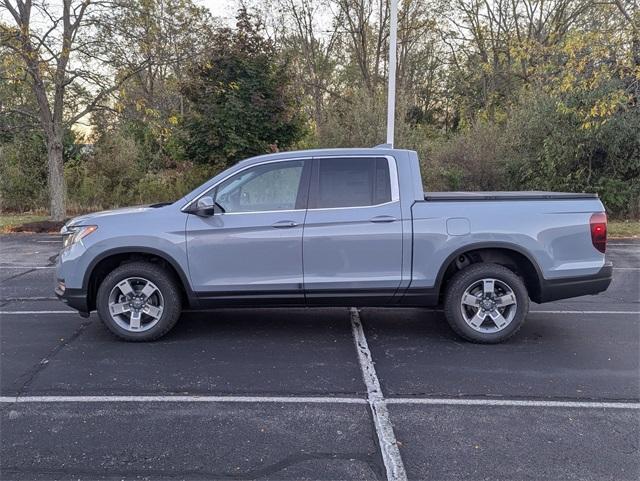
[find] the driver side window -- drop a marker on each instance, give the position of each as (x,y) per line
(261,188)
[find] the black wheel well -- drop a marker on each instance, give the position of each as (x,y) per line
(109,263)
(513,260)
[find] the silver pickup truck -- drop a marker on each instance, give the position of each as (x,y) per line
(344,227)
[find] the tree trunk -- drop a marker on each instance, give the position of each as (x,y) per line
(57,210)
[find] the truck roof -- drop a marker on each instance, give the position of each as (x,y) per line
(368,151)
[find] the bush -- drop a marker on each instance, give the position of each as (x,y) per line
(23,182)
(470,160)
(543,146)
(114,175)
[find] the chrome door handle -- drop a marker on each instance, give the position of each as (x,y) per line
(284,224)
(383,218)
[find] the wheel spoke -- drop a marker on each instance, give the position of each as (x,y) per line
(498,318)
(470,300)
(506,300)
(147,290)
(478,319)
(134,321)
(488,287)
(119,308)
(153,311)
(125,288)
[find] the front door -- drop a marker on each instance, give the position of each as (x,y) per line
(252,252)
(352,239)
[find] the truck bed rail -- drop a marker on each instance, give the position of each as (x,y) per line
(511,196)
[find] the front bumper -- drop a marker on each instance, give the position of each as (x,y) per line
(75,298)
(564,288)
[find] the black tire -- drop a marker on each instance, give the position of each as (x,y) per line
(164,282)
(465,279)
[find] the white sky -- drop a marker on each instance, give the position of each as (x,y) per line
(223,9)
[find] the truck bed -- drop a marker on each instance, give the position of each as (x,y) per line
(524,195)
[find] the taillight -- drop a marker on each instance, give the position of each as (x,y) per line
(598,224)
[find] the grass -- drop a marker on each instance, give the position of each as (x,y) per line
(623,229)
(617,228)
(7,221)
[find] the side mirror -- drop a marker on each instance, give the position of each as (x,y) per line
(205,207)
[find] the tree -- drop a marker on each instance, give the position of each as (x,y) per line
(241,98)
(66,68)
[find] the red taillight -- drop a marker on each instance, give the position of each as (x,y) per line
(598,223)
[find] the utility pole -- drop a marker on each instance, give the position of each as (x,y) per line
(391,95)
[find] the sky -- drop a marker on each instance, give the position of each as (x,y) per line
(224,9)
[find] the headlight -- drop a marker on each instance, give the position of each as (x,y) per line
(72,234)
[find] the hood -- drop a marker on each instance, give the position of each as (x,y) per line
(96,216)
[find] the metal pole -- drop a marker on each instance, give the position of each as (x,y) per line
(391,96)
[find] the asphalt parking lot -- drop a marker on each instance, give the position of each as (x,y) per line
(287,393)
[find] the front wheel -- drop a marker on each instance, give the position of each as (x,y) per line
(139,301)
(486,303)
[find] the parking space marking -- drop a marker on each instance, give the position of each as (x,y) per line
(188,311)
(381,420)
(583,312)
(322,400)
(26,267)
(34,298)
(187,399)
(515,402)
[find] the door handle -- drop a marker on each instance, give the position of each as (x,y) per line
(383,218)
(284,224)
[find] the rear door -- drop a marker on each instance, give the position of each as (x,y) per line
(352,240)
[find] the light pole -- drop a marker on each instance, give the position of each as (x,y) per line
(391,95)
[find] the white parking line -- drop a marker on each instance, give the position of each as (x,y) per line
(515,403)
(322,400)
(37,312)
(25,267)
(584,312)
(189,311)
(626,268)
(384,428)
(187,399)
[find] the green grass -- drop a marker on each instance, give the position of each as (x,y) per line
(7,221)
(623,228)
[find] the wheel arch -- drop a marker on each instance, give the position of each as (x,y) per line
(512,256)
(108,260)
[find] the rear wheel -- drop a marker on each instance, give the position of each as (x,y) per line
(139,301)
(486,303)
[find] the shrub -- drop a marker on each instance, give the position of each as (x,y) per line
(23,178)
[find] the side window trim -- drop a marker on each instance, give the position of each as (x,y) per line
(315,182)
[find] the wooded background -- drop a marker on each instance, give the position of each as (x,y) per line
(110,103)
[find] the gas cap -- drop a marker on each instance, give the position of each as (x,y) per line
(458,226)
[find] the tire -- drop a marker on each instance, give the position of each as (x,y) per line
(126,287)
(483,315)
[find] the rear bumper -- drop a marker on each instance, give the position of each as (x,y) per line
(75,298)
(564,288)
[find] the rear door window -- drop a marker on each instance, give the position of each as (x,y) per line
(350,182)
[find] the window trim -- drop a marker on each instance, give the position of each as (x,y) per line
(393,179)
